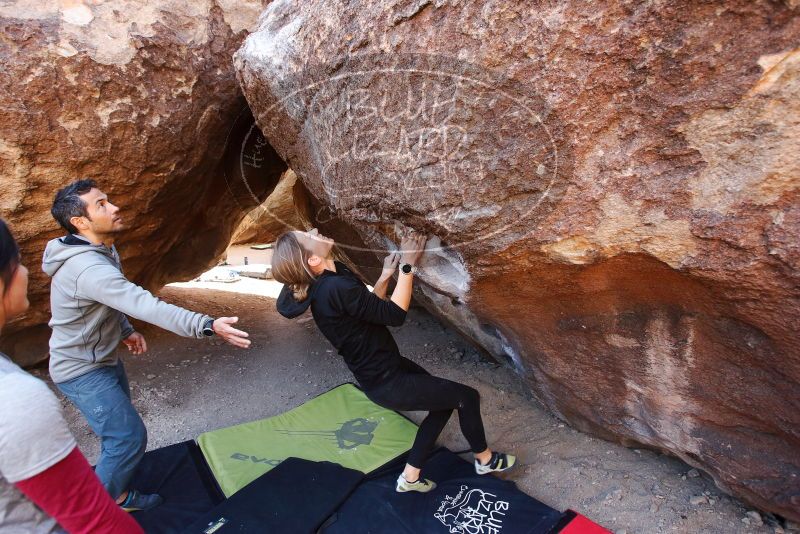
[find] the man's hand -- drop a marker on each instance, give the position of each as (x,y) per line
(390,263)
(222,327)
(136,343)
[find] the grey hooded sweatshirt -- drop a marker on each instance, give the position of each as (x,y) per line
(89,301)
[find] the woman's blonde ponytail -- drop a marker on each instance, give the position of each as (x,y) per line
(290,265)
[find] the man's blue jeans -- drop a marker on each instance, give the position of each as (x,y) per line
(104,398)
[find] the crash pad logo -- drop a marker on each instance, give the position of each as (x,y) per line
(350,435)
(472,511)
(255,459)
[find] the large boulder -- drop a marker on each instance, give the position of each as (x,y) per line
(142,97)
(277,214)
(612,192)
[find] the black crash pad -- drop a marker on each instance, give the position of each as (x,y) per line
(462,503)
(297,496)
(181,476)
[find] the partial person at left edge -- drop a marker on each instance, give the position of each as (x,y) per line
(90,301)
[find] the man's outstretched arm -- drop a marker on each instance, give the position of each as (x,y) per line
(105,284)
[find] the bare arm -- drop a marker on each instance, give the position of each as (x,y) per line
(411,249)
(381,287)
(389,266)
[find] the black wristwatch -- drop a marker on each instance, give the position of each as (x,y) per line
(208,327)
(407,268)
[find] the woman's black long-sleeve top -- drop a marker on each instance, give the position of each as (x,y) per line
(354,320)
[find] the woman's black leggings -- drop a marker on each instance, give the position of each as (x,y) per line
(413,388)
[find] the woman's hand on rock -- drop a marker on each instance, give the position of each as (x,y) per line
(411,247)
(390,264)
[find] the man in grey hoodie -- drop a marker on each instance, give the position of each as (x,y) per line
(90,299)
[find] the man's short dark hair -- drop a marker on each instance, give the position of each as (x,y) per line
(68,203)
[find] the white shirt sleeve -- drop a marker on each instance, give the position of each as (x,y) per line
(33,433)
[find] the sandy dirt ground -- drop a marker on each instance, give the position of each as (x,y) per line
(183,387)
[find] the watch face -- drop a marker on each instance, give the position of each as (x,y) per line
(407,268)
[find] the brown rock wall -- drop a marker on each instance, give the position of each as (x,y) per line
(142,97)
(612,192)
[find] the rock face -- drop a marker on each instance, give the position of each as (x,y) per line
(612,194)
(274,216)
(142,97)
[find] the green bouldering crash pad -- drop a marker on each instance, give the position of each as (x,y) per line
(341,426)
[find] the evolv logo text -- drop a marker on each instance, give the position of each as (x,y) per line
(254,459)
